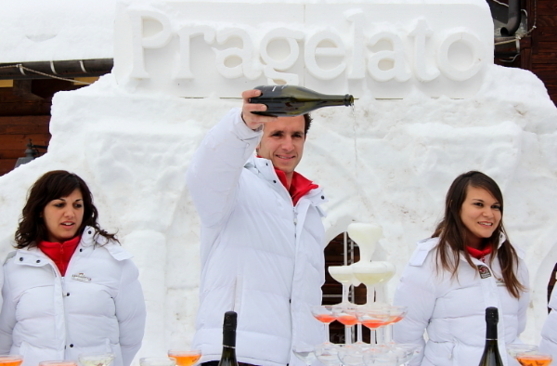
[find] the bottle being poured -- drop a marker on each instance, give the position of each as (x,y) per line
(293,100)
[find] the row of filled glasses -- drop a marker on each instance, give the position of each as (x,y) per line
(394,354)
(186,357)
(372,316)
(357,355)
(98,359)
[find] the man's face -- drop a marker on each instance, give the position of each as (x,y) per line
(283,143)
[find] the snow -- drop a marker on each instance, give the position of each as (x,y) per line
(386,161)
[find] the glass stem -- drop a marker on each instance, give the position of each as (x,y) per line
(389,334)
(370,294)
(348,335)
(345,289)
(360,339)
(380,334)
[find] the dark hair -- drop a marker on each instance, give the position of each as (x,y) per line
(453,234)
(307,123)
(53,185)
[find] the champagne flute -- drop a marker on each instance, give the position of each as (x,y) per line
(351,355)
(304,352)
(514,349)
(324,313)
(534,358)
(373,316)
(96,359)
(372,273)
(11,360)
(359,337)
(396,314)
(342,274)
(346,315)
(327,353)
(185,357)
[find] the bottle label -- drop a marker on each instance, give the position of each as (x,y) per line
(484,272)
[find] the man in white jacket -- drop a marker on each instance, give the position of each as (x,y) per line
(262,238)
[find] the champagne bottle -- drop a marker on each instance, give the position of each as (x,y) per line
(228,357)
(491,356)
(291,100)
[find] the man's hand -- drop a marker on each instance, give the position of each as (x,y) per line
(253,121)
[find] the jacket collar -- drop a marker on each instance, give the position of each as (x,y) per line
(265,168)
(427,245)
(90,237)
(30,256)
(33,256)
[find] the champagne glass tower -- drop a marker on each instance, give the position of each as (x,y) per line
(372,274)
(367,272)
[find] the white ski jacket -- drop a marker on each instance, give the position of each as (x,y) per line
(260,256)
(548,343)
(97,307)
(452,311)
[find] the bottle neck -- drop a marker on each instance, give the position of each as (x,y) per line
(229,338)
(491,332)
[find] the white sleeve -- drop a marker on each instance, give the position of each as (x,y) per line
(524,299)
(7,315)
(130,312)
(215,169)
(548,343)
(417,293)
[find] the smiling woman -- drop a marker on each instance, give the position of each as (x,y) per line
(466,266)
(70,274)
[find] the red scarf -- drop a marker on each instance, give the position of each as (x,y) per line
(477,253)
(299,186)
(60,253)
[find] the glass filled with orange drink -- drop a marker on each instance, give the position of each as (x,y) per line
(10,360)
(534,359)
(185,357)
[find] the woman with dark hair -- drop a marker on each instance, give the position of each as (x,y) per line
(70,288)
(466,266)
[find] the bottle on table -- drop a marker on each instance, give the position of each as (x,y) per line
(228,357)
(292,100)
(491,356)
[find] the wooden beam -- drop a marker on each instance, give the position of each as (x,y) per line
(20,125)
(14,142)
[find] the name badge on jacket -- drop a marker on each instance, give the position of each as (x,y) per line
(81,277)
(484,272)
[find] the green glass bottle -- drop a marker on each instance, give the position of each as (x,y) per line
(228,357)
(491,356)
(292,100)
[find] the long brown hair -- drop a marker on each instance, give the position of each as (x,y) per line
(53,185)
(453,234)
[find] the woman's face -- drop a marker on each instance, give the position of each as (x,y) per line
(63,217)
(481,214)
